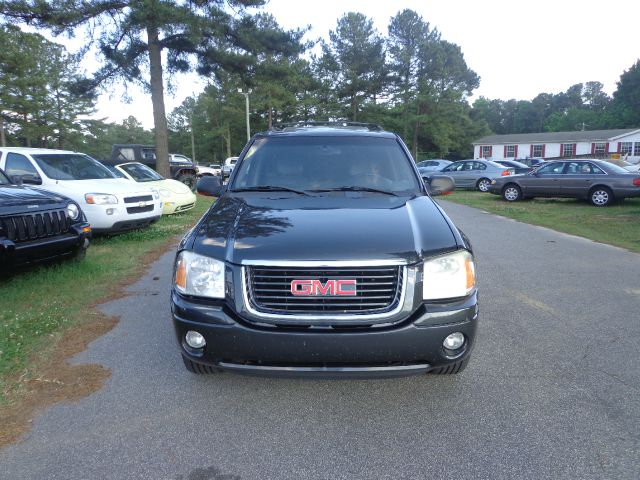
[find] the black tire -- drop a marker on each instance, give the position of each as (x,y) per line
(483,184)
(512,192)
(601,196)
(199,368)
(189,179)
(451,369)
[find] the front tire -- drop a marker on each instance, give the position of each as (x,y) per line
(189,179)
(512,192)
(483,184)
(601,197)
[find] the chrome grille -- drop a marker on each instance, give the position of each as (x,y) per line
(141,198)
(22,228)
(378,290)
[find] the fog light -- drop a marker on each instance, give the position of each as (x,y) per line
(110,211)
(453,341)
(194,339)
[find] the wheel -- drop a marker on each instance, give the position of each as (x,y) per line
(451,369)
(601,196)
(483,184)
(511,192)
(189,179)
(199,368)
(79,254)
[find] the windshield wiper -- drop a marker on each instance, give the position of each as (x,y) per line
(269,188)
(354,188)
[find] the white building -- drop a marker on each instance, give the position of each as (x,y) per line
(593,144)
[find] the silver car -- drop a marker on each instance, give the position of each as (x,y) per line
(435,164)
(475,174)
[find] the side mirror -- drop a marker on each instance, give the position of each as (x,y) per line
(210,186)
(29,179)
(439,185)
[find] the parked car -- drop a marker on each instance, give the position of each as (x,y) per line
(598,181)
(325,256)
(518,167)
(110,204)
(181,167)
(213,169)
(436,164)
(227,167)
(37,225)
(176,196)
(475,174)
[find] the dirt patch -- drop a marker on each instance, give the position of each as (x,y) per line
(52,379)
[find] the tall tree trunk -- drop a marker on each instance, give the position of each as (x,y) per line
(270,118)
(157,99)
(3,138)
(228,140)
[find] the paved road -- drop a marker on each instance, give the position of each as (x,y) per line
(552,391)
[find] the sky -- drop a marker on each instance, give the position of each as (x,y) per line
(518,48)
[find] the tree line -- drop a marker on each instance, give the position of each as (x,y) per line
(410,80)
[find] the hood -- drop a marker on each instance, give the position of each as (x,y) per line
(15,199)
(173,186)
(346,226)
(104,185)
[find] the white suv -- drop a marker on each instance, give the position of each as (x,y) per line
(227,167)
(110,204)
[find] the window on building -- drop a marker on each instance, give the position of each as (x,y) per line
(626,148)
(537,151)
(510,151)
(599,148)
(636,149)
(567,150)
(485,151)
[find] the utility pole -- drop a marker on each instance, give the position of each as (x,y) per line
(193,139)
(246,97)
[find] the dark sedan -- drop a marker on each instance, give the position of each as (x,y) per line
(597,181)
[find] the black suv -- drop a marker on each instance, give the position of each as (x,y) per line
(37,225)
(325,255)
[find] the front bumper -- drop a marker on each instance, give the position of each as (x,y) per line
(13,254)
(413,346)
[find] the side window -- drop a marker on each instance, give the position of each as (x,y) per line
(590,168)
(148,154)
(454,167)
(479,166)
(573,168)
(551,169)
(19,165)
(468,166)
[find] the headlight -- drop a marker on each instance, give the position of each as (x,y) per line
(199,275)
(164,192)
(73,211)
(100,198)
(449,276)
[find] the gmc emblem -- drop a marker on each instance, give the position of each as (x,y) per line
(315,288)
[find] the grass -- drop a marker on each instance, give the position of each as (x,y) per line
(39,305)
(617,225)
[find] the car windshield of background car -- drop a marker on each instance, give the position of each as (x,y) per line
(319,163)
(71,166)
(141,173)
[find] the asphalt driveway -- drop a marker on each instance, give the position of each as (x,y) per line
(553,389)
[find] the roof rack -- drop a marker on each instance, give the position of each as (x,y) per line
(304,123)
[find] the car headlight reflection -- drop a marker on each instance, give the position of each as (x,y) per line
(449,276)
(199,275)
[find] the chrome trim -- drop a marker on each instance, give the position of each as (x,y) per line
(329,316)
(325,263)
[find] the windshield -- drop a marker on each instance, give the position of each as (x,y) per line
(140,172)
(71,166)
(325,163)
